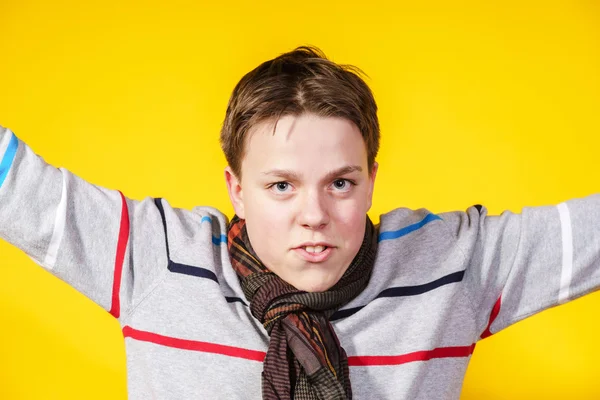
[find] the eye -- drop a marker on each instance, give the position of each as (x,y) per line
(342,184)
(280,187)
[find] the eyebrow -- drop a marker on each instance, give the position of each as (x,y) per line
(293,176)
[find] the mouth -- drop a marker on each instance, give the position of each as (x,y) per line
(314,254)
(315,249)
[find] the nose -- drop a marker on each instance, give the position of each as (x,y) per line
(313,212)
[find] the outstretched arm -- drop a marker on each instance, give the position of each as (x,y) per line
(95,239)
(521,264)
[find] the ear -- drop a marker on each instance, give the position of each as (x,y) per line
(372,177)
(236,195)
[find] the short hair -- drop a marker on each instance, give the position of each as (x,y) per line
(302,81)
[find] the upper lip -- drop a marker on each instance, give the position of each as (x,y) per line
(313,244)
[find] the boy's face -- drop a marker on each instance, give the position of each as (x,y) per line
(307,184)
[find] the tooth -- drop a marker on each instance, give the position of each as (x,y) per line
(319,249)
(310,249)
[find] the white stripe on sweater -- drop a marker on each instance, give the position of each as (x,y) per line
(5,142)
(567,253)
(59,224)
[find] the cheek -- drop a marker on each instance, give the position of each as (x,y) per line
(267,220)
(350,224)
(266,211)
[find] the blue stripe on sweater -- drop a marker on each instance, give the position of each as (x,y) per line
(9,157)
(388,235)
(192,270)
(216,240)
(178,267)
(231,299)
(402,291)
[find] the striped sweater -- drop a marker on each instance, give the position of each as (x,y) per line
(441,282)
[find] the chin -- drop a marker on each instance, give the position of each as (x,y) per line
(314,286)
(316,289)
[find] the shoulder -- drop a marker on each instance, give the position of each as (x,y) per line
(218,220)
(403,221)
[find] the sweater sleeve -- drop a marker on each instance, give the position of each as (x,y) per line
(93,238)
(518,264)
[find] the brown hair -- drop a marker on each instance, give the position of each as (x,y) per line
(298,82)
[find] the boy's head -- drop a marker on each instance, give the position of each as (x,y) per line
(300,136)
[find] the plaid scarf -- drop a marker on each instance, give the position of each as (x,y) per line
(304,359)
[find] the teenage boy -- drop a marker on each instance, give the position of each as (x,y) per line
(299,296)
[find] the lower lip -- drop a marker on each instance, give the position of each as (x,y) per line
(314,257)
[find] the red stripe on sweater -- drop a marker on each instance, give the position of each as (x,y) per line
(440,352)
(194,345)
(493,315)
(115,308)
(255,355)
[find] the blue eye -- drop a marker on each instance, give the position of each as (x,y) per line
(340,183)
(280,187)
(343,185)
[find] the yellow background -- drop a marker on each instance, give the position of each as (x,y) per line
(495,104)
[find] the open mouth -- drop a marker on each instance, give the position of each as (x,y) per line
(314,254)
(314,249)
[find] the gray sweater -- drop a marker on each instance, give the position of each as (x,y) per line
(441,282)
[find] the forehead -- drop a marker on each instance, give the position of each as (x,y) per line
(306,143)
